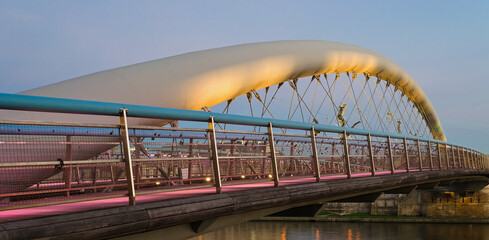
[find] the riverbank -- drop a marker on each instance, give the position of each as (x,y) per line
(360,217)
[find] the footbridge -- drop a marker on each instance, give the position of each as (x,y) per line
(188,144)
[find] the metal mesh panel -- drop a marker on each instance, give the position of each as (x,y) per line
(243,156)
(380,153)
(54,163)
(169,158)
(331,154)
(359,154)
(294,155)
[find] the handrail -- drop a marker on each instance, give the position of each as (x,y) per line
(62,105)
(391,141)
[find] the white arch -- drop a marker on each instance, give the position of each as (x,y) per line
(209,77)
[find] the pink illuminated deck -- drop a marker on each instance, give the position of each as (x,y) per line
(43,211)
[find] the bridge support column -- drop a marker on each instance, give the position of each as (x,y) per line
(127,157)
(273,156)
(371,154)
(347,155)
(391,158)
(215,157)
(406,155)
(315,156)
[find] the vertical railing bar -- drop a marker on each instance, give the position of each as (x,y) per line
(215,156)
(371,154)
(315,155)
(273,155)
(477,159)
(347,155)
(391,158)
(67,172)
(453,156)
(419,157)
(431,156)
(406,155)
(127,157)
(480,162)
(447,157)
(439,155)
(472,158)
(464,158)
(459,158)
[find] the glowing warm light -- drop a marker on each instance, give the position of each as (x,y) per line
(270,176)
(291,175)
(243,176)
(207,179)
(157,183)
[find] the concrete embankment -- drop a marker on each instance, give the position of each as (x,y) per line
(379,219)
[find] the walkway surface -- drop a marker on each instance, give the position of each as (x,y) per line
(60,209)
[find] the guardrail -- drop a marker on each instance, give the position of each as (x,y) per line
(70,162)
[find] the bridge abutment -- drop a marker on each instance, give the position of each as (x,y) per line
(421,202)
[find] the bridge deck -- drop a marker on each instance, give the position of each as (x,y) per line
(60,209)
(188,212)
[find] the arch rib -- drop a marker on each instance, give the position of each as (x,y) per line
(206,78)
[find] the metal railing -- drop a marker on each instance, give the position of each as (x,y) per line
(46,163)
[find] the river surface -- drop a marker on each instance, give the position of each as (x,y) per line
(348,231)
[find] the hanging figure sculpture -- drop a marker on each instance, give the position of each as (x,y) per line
(341,112)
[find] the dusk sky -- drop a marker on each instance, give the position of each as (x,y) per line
(443,45)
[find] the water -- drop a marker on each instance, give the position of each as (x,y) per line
(348,231)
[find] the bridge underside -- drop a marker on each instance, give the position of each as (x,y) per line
(187,217)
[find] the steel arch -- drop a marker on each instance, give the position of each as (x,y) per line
(206,78)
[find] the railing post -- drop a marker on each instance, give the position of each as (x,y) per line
(463,158)
(419,157)
(347,155)
(67,172)
(431,157)
(315,155)
(446,154)
(371,154)
(391,158)
(471,154)
(458,157)
(439,155)
(406,155)
(273,156)
(453,156)
(127,157)
(478,160)
(215,156)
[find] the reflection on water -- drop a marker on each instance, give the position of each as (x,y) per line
(359,231)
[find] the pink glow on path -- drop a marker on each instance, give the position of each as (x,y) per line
(44,211)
